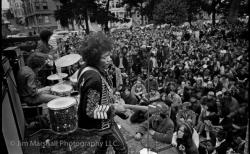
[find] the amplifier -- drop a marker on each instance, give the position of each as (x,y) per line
(15,57)
(14,101)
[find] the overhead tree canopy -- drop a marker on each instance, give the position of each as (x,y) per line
(193,8)
(149,8)
(171,12)
(231,9)
(84,10)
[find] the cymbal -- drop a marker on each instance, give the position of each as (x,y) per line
(67,60)
(57,76)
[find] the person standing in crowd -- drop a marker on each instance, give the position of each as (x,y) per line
(27,82)
(97,105)
(121,62)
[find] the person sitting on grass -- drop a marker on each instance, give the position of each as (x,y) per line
(160,124)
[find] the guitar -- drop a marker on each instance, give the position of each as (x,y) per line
(150,108)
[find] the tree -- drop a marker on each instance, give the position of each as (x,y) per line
(75,10)
(149,8)
(231,9)
(210,7)
(65,13)
(84,10)
(193,8)
(171,12)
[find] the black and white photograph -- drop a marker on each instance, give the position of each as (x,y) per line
(125,76)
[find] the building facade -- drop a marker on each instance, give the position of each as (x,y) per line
(39,14)
(16,8)
(116,7)
(5,23)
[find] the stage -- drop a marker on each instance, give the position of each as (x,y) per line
(45,141)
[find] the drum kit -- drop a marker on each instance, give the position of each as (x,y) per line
(63,110)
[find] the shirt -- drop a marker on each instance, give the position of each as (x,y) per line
(96,98)
(26,84)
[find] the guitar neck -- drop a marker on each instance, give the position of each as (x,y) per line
(136,107)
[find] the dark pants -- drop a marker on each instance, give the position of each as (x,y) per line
(114,139)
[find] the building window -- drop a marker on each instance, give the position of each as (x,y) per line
(45,4)
(46,19)
(40,19)
(37,5)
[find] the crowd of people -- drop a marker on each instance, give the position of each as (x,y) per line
(200,72)
(198,75)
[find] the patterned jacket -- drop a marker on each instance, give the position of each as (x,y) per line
(95,110)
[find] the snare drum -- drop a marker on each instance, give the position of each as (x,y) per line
(61,90)
(63,115)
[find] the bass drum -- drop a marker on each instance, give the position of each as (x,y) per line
(63,115)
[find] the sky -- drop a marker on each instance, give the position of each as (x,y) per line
(5,4)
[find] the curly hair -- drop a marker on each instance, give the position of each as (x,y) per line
(45,35)
(94,47)
(36,60)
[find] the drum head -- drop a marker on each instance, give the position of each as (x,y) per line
(67,60)
(60,88)
(61,103)
(57,76)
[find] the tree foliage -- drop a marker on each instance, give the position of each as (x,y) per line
(171,12)
(65,13)
(231,9)
(149,8)
(193,8)
(83,10)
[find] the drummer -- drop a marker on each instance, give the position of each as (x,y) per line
(43,46)
(48,51)
(27,85)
